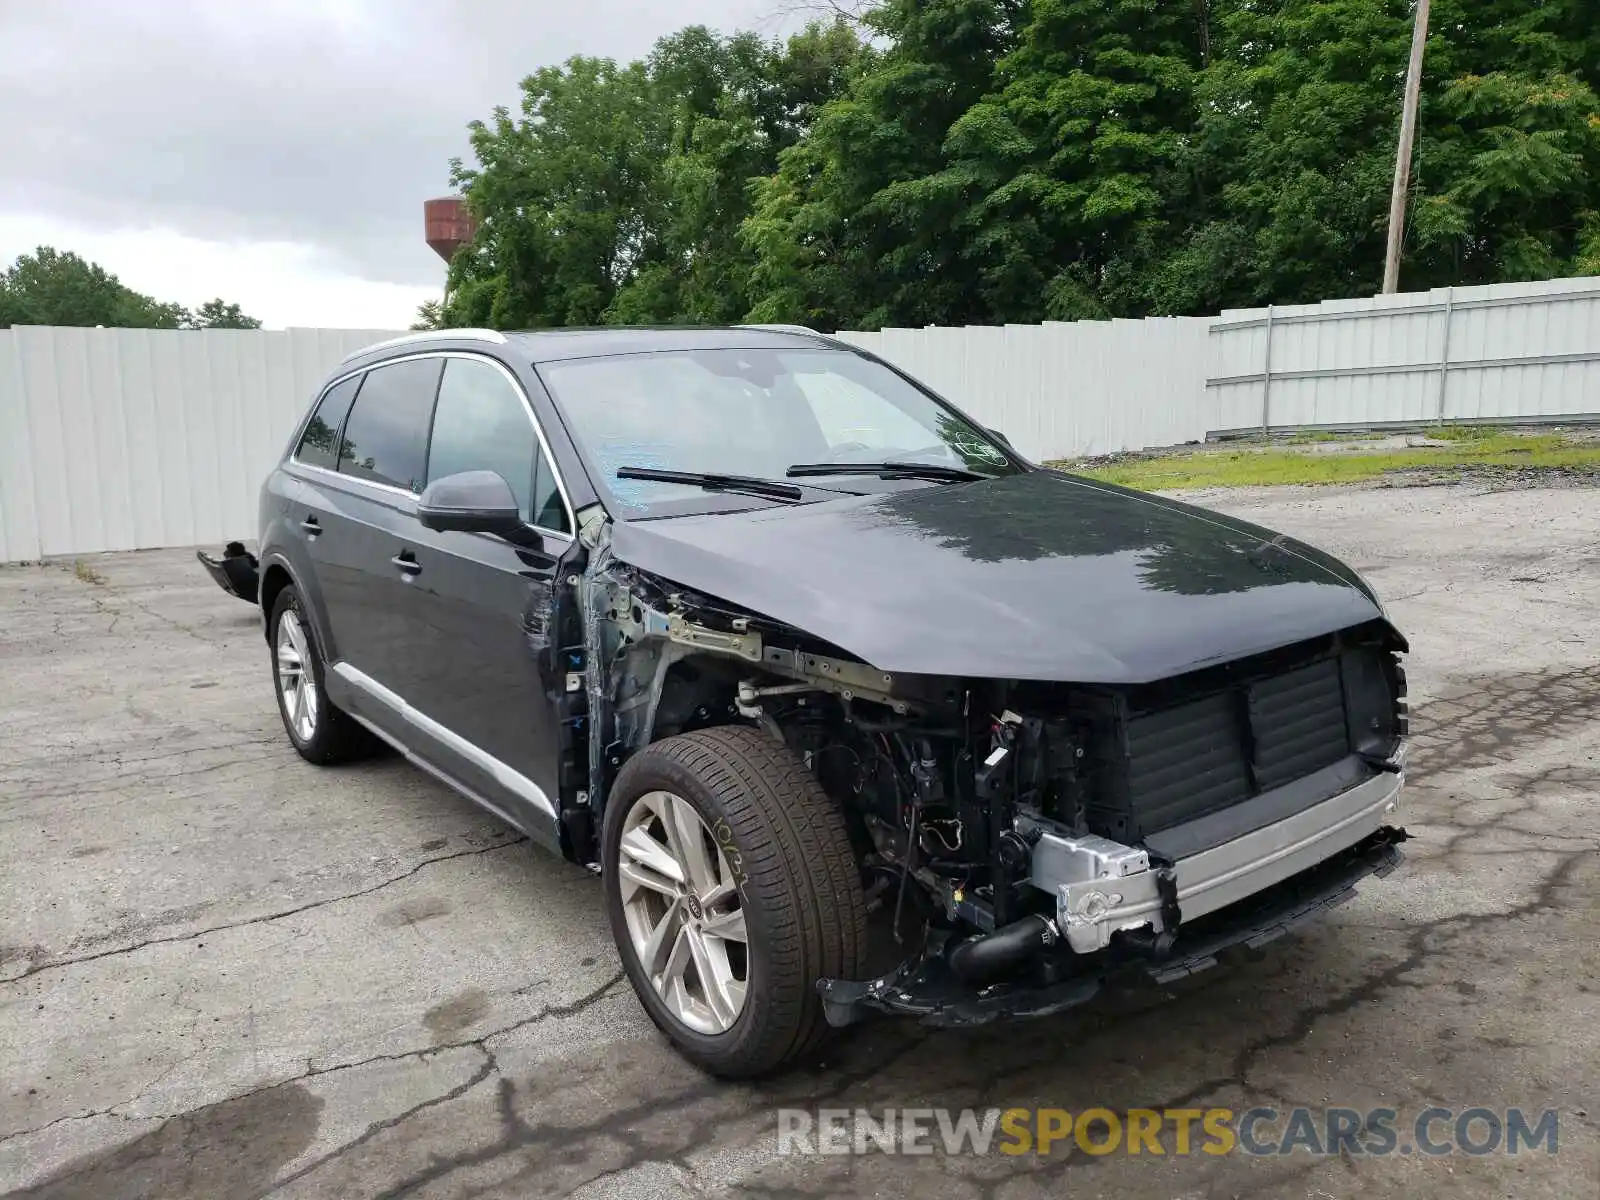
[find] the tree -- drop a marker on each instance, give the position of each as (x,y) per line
(430,315)
(567,197)
(1508,170)
(219,314)
(618,194)
(52,287)
(1078,169)
(986,161)
(1297,116)
(738,103)
(860,225)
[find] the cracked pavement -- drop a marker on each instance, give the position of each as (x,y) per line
(226,973)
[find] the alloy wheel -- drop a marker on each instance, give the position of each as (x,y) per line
(297,689)
(681,904)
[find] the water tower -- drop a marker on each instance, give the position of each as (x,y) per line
(448,226)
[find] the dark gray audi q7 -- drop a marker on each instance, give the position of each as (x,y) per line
(851,707)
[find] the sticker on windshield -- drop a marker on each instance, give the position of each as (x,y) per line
(981,451)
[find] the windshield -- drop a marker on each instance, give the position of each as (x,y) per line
(755,413)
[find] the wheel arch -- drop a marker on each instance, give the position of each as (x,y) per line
(278,573)
(274,578)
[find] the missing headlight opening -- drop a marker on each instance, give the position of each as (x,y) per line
(1021,840)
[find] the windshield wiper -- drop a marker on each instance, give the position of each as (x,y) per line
(887,470)
(713,482)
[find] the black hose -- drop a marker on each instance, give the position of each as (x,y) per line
(989,954)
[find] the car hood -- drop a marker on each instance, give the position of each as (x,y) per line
(1039,576)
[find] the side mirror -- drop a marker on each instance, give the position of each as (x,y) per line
(1002,439)
(470,502)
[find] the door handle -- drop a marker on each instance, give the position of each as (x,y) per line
(312,526)
(407,562)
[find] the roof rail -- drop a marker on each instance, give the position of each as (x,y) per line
(433,335)
(784,329)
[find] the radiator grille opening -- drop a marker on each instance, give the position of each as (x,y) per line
(1298,723)
(1243,730)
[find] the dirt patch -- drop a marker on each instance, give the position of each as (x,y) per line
(459,1013)
(414,912)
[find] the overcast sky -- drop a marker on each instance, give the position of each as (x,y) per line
(276,152)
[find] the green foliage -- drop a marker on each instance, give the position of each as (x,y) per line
(989,161)
(49,287)
(430,315)
(1081,156)
(617,195)
(219,314)
(52,287)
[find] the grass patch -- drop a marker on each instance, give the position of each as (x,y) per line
(1472,448)
(87,573)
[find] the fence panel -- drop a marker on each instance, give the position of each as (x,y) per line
(1506,352)
(125,439)
(116,439)
(1062,389)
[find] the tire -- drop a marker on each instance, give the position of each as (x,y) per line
(781,844)
(330,735)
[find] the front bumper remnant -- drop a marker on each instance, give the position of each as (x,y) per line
(925,987)
(1103,888)
(237,572)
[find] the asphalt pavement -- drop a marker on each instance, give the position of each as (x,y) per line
(226,973)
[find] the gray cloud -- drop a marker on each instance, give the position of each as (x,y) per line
(318,121)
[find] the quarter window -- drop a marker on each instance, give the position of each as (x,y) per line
(548,511)
(322,431)
(386,438)
(482,424)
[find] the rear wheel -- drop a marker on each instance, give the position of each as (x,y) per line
(731,888)
(321,733)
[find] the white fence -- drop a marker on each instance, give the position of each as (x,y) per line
(123,439)
(1507,352)
(1059,390)
(117,439)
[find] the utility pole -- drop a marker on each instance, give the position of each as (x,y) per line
(1402,158)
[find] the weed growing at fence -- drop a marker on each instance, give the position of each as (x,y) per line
(87,573)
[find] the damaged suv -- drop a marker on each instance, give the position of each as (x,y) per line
(850,706)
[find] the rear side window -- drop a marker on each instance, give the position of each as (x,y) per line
(482,424)
(386,437)
(316,444)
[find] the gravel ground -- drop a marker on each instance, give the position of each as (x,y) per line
(225,973)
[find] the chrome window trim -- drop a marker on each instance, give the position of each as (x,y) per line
(516,384)
(432,335)
(507,777)
(357,480)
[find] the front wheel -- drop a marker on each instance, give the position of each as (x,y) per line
(731,888)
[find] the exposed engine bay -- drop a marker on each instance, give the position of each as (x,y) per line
(1012,834)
